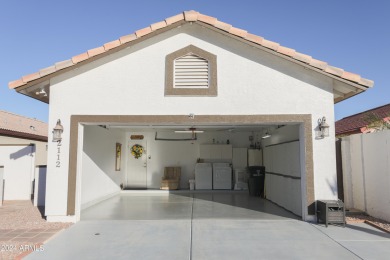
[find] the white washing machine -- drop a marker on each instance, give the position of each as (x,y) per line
(222,176)
(203,176)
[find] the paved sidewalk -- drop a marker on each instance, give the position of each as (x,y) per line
(36,236)
(23,230)
(361,239)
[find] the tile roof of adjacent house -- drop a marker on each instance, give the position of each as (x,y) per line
(22,127)
(358,122)
(193,16)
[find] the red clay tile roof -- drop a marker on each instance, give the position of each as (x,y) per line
(193,16)
(355,123)
(24,127)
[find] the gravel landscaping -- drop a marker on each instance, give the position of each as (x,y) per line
(378,223)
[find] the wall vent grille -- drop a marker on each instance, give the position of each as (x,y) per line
(191,71)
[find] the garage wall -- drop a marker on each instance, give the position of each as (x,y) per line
(282,164)
(99,178)
(182,154)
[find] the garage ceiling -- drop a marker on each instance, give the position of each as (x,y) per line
(206,128)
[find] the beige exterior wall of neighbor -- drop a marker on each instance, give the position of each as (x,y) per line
(366,173)
(40,147)
(250,82)
(18,162)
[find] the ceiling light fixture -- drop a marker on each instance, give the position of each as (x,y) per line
(188,131)
(267,135)
(191,130)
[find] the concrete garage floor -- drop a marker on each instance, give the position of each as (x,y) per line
(220,225)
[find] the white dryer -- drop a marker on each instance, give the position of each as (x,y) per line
(222,176)
(203,176)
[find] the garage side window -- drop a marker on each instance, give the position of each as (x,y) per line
(191,71)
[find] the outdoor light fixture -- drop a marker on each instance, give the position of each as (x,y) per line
(57,131)
(323,128)
(41,92)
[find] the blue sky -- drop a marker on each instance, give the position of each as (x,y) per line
(351,34)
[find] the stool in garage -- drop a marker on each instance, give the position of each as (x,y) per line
(171,179)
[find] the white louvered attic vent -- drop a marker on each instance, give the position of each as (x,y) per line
(191,71)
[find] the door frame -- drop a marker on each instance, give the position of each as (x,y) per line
(307,174)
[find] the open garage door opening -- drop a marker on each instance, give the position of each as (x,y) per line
(214,159)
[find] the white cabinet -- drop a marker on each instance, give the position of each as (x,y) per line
(226,152)
(216,151)
(255,157)
(240,158)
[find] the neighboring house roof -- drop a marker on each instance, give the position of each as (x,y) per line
(358,83)
(358,123)
(22,127)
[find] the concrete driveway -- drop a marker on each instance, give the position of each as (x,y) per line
(222,225)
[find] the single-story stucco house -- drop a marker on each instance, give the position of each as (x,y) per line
(23,157)
(196,78)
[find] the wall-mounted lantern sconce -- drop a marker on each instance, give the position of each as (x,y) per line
(57,131)
(323,128)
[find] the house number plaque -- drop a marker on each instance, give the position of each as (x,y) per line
(58,161)
(136,137)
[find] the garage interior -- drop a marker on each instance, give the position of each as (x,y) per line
(277,147)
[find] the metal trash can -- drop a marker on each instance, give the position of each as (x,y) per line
(256,181)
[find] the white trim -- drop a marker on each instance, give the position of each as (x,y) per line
(32,171)
(186,191)
(95,201)
(79,171)
(36,179)
(71,219)
(1,184)
(302,152)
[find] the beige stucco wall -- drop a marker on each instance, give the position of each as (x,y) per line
(40,147)
(132,82)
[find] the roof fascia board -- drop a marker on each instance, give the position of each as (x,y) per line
(281,55)
(357,88)
(21,135)
(346,96)
(94,58)
(339,93)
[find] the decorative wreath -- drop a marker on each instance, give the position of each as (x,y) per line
(137,151)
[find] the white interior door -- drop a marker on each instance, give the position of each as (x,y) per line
(136,167)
